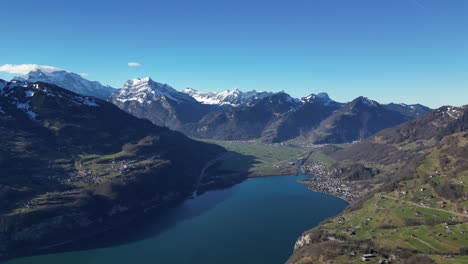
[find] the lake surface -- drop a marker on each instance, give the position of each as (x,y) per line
(257,221)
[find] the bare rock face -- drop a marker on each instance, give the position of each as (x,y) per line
(304,240)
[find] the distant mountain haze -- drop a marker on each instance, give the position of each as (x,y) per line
(71,81)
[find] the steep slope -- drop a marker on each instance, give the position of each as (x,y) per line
(73,166)
(232,98)
(72,81)
(314,109)
(159,103)
(244,122)
(316,118)
(356,120)
(412,208)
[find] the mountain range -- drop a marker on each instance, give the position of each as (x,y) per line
(234,97)
(236,115)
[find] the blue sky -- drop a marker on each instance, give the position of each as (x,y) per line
(410,51)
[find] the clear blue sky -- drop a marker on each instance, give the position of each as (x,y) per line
(411,51)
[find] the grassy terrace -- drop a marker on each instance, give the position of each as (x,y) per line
(318,156)
(423,214)
(396,220)
(260,159)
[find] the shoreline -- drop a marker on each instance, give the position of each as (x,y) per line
(320,182)
(64,245)
(328,193)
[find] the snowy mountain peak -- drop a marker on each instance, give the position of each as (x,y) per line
(146,90)
(189,90)
(367,101)
(236,91)
(320,97)
(138,81)
(234,97)
(323,96)
(450,111)
(70,81)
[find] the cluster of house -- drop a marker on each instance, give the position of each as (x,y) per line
(315,168)
(90,176)
(333,186)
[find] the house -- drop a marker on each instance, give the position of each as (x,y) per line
(367,257)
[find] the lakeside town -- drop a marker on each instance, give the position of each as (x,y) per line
(327,182)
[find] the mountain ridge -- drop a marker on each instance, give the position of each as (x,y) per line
(233,97)
(74,82)
(159,103)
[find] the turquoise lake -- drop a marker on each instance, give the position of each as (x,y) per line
(256,221)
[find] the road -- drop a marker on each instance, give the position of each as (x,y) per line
(207,165)
(418,205)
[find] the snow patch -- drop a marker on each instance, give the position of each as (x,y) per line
(31,115)
(89,102)
(23,106)
(26,107)
(450,111)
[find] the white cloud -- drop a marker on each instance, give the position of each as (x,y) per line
(134,64)
(84,74)
(26,68)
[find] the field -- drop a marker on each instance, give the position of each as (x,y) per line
(260,159)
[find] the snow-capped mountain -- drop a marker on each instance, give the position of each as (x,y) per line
(18,95)
(145,90)
(159,103)
(233,97)
(322,98)
(71,81)
(366,101)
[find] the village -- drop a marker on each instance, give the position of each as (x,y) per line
(87,175)
(326,182)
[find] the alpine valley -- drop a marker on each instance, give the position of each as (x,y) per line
(80,160)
